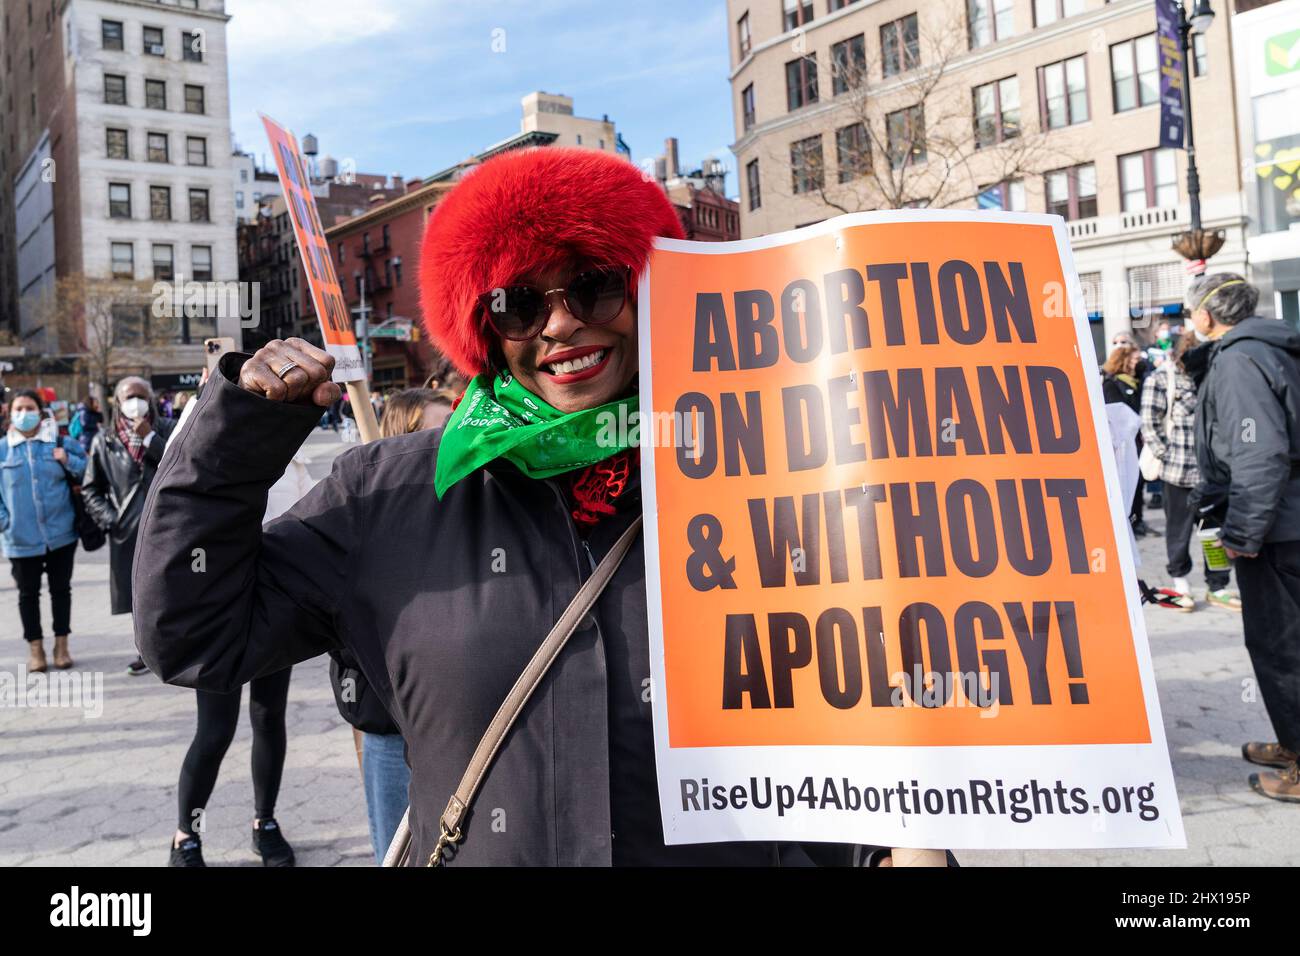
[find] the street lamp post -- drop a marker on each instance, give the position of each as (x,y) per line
(1195,245)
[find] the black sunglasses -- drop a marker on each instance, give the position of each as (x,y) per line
(593,297)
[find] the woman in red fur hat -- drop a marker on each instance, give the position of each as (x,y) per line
(441,560)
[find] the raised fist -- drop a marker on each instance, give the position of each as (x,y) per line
(291,370)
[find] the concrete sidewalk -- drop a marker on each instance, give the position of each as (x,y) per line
(102,790)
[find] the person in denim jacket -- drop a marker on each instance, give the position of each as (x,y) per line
(38,521)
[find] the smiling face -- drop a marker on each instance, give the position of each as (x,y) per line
(571,365)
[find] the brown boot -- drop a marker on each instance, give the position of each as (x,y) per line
(36,662)
(1280,784)
(1266,755)
(62,659)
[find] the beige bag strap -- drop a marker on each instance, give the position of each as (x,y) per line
(453,817)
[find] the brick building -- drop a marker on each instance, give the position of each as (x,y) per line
(376,256)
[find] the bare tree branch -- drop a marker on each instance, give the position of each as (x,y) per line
(919,140)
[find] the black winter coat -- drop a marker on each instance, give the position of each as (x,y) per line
(114,491)
(1248,433)
(441,603)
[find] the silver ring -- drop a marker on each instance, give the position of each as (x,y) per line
(288,367)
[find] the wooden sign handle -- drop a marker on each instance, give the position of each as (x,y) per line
(363,411)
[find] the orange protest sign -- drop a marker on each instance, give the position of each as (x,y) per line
(887,537)
(327,296)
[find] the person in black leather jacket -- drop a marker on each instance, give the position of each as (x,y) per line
(124,456)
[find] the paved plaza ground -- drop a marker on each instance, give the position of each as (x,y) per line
(101,790)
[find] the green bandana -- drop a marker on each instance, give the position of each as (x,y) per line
(508,421)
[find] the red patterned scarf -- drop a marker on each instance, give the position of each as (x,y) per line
(133,442)
(593,490)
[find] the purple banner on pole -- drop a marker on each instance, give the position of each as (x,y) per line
(1172,118)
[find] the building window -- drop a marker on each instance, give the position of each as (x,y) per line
(752,185)
(900,45)
(806,169)
(196,151)
(157,151)
(1135,73)
(397,269)
(119,201)
(848,65)
(747,105)
(801,81)
(1063,93)
(796,13)
(110,32)
(155,94)
(114,89)
(997,111)
(153,42)
(1049,11)
(743,36)
(989,21)
(1008,196)
(192,46)
(122,255)
(239,200)
(117,144)
(1148,180)
(160,203)
(905,135)
(199,205)
(201,263)
(1072,192)
(193,99)
(852,152)
(1200,55)
(163,263)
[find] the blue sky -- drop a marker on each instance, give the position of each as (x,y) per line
(413,86)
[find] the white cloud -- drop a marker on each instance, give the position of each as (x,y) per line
(260,29)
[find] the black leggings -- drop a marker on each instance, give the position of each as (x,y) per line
(218,717)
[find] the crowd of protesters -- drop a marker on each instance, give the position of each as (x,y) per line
(1210,412)
(1219,400)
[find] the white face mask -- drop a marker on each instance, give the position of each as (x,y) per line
(135,408)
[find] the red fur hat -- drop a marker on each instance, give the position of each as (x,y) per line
(524,212)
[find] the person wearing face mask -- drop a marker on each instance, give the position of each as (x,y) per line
(1248,453)
(124,458)
(1168,430)
(38,529)
(441,560)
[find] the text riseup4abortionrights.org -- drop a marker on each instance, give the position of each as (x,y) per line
(1021,804)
